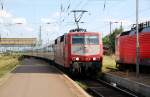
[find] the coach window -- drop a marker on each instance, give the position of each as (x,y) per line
(56,41)
(62,38)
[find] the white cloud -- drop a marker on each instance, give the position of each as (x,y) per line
(53,21)
(52,28)
(9,24)
(30,29)
(4,13)
(117,20)
(19,20)
(1,20)
(144,19)
(8,18)
(47,20)
(54,17)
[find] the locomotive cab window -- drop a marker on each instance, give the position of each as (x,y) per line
(132,33)
(56,41)
(125,33)
(78,40)
(147,30)
(85,40)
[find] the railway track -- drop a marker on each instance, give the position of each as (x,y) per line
(100,88)
(106,89)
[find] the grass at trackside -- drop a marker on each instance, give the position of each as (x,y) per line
(7,63)
(108,62)
(82,84)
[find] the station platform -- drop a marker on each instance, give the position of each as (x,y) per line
(36,78)
(140,85)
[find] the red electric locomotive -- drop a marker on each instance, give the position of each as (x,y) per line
(79,51)
(126,46)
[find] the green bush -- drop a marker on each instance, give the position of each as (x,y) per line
(109,40)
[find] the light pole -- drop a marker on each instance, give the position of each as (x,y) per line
(40,38)
(2,8)
(40,34)
(137,38)
(110,34)
(18,45)
(110,23)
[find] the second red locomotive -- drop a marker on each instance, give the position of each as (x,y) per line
(79,51)
(126,46)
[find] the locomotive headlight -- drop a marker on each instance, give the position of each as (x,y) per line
(77,59)
(94,58)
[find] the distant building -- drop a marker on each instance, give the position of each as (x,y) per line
(16,44)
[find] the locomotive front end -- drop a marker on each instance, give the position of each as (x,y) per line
(86,52)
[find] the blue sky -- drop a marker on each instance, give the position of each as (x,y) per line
(33,13)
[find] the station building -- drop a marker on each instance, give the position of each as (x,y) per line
(16,44)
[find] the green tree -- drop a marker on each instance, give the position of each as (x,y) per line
(109,40)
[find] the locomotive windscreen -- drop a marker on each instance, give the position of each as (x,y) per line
(85,40)
(147,29)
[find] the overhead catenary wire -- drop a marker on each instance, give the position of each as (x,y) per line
(85,4)
(69,7)
(113,6)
